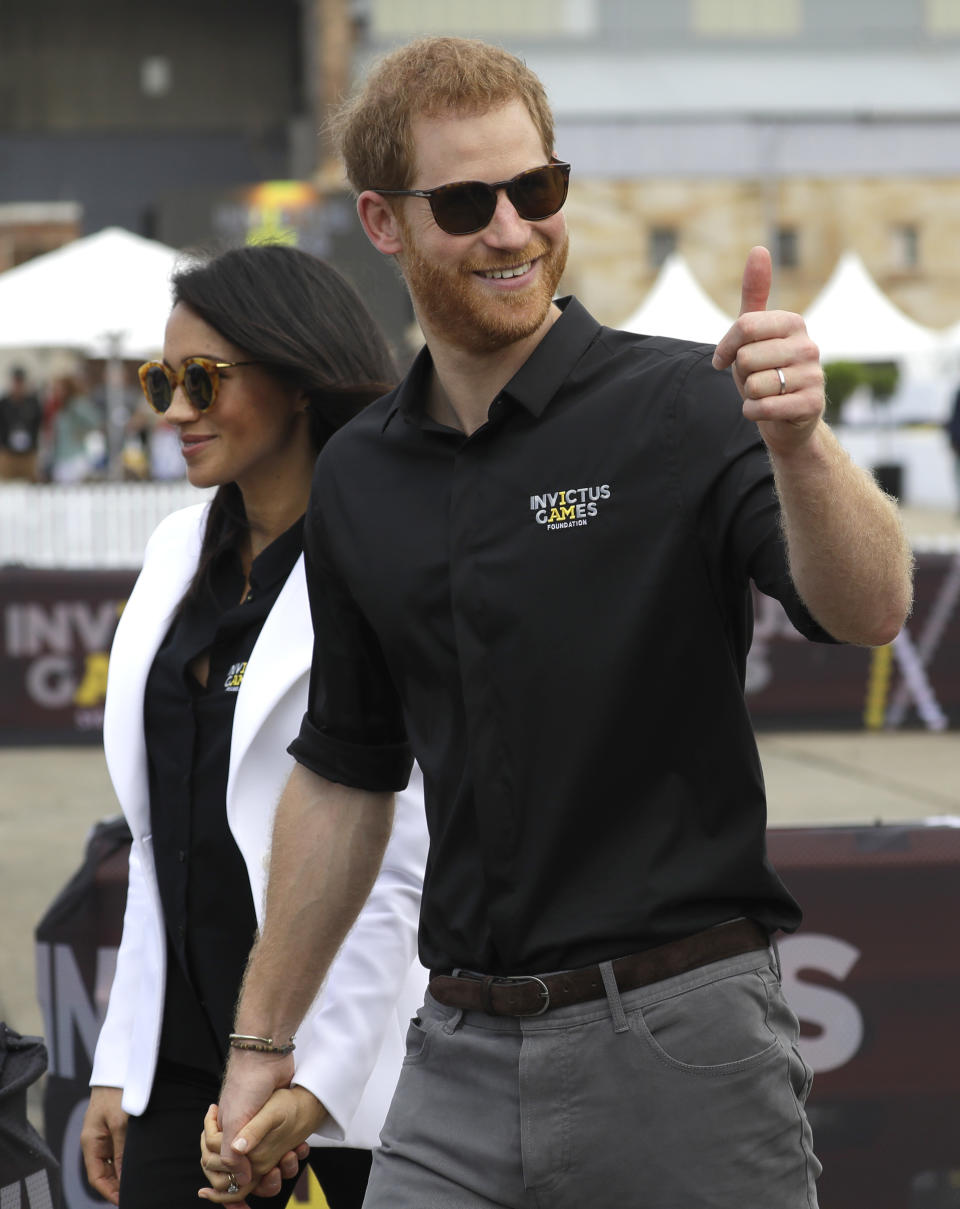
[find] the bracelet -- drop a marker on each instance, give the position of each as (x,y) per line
(262,1045)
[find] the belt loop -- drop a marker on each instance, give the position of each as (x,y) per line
(775,950)
(613,997)
(451,1025)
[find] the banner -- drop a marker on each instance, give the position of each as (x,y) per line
(874,975)
(56,628)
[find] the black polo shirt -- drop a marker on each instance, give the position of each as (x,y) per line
(553,614)
(204,888)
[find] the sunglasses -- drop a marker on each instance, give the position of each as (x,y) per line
(199,377)
(464,207)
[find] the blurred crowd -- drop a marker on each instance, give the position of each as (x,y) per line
(72,430)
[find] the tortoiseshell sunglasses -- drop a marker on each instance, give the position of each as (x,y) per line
(199,377)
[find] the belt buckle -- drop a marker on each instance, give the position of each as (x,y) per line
(544,991)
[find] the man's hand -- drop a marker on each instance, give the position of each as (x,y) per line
(250,1081)
(275,1141)
(762,342)
(273,1161)
(101,1140)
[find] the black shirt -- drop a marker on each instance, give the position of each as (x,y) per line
(204,888)
(20,421)
(555,613)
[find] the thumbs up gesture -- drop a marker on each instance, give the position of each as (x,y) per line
(775,364)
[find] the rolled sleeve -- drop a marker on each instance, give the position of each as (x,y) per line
(353,730)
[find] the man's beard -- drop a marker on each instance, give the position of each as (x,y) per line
(449,302)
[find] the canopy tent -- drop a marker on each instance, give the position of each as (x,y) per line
(677,305)
(851,319)
(107,295)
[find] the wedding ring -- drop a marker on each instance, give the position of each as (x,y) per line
(233,1186)
(783,381)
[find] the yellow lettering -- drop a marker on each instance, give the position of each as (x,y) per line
(93,688)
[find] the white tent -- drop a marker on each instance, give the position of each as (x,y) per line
(851,319)
(106,294)
(677,305)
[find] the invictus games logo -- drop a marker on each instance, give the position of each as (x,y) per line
(568,509)
(235,677)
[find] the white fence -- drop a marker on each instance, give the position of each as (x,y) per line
(88,525)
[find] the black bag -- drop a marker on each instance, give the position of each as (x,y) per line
(29,1174)
(77,940)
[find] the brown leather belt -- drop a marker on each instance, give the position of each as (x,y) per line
(534,994)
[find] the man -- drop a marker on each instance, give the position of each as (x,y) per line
(530,567)
(21,416)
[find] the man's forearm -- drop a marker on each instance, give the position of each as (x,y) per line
(328,842)
(849,557)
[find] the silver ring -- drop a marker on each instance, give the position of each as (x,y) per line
(233,1186)
(783,381)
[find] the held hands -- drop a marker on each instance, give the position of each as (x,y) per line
(250,1080)
(272,1141)
(787,411)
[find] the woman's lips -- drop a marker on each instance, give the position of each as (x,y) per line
(192,445)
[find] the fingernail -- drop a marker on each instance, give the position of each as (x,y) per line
(240,1145)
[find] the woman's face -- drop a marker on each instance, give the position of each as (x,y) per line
(256,432)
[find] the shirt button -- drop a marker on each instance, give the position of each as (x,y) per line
(181,856)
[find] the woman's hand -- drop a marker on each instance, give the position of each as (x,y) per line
(273,1141)
(101,1139)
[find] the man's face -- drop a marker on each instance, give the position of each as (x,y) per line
(449,276)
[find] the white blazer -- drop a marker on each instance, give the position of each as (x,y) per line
(351,1042)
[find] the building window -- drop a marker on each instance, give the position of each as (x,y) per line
(662,243)
(906,246)
(942,17)
(787,248)
(746,18)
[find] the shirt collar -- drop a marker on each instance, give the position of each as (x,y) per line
(272,565)
(533,385)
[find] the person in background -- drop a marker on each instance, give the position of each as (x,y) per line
(267,351)
(78,444)
(21,417)
(530,568)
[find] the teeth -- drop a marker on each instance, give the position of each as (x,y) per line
(517,272)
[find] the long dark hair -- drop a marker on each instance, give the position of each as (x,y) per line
(297,317)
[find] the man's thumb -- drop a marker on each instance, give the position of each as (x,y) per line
(757,279)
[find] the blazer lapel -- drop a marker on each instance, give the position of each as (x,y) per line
(146,617)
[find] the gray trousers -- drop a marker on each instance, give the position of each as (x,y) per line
(683,1094)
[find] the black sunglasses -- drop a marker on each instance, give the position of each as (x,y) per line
(199,376)
(463,207)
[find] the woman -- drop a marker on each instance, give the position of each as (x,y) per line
(267,351)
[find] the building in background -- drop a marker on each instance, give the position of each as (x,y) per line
(702,126)
(706,126)
(183,121)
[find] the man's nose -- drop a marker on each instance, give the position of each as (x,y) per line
(507,229)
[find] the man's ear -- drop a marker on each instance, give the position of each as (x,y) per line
(379,222)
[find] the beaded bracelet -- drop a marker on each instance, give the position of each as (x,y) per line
(262,1045)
